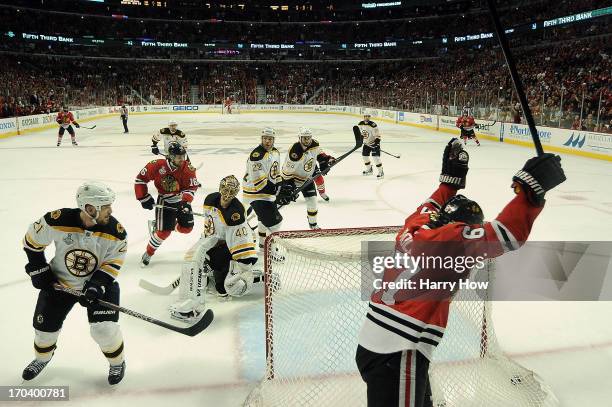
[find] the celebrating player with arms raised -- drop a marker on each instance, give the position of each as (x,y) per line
(301,165)
(176,183)
(225,253)
(90,246)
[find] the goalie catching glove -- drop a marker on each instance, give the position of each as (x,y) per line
(454,164)
(539,175)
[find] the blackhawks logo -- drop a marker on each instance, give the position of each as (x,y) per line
(169,184)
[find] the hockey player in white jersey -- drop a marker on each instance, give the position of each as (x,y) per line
(224,254)
(371,146)
(301,165)
(261,182)
(168,134)
(90,246)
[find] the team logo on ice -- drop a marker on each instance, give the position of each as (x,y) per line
(80,263)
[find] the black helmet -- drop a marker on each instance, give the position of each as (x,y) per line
(461,209)
(175,148)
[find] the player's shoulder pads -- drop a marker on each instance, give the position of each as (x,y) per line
(64,217)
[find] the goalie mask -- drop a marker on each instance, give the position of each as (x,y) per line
(229,188)
(460,209)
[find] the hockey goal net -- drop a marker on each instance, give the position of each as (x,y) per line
(313,314)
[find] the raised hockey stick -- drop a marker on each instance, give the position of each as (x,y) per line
(516,80)
(392,155)
(156,289)
(202,323)
(358,143)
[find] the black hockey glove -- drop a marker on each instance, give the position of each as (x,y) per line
(286,193)
(325,163)
(376,142)
(94,288)
(539,174)
(41,275)
(77,125)
(155,149)
(454,164)
(147,202)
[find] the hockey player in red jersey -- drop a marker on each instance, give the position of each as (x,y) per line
(404,326)
(65,119)
(176,183)
(466,123)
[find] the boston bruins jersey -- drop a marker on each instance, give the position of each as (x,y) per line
(79,252)
(300,163)
(229,226)
(262,174)
(369,131)
(169,137)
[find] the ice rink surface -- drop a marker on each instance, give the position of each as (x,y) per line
(568,344)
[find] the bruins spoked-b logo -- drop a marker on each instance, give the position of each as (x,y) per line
(308,165)
(274,172)
(169,184)
(80,263)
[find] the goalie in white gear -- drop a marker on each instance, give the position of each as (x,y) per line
(168,134)
(224,254)
(261,182)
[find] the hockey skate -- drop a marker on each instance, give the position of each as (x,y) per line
(116,373)
(368,171)
(314,226)
(380,175)
(145,260)
(324,196)
(58,143)
(33,369)
(74,143)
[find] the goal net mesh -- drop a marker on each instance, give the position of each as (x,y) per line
(313,314)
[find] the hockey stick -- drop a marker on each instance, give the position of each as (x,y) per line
(192,330)
(358,143)
(392,155)
(88,128)
(156,289)
(516,80)
(176,209)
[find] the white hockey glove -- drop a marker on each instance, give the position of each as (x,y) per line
(239,280)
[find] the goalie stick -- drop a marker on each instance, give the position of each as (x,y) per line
(201,324)
(161,290)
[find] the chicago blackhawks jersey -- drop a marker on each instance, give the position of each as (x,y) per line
(369,131)
(229,226)
(65,119)
(416,318)
(300,163)
(174,184)
(467,122)
(168,136)
(262,174)
(79,251)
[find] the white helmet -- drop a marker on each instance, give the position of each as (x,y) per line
(172,123)
(304,132)
(268,132)
(94,193)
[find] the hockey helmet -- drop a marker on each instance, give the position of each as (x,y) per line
(305,136)
(461,209)
(268,134)
(172,124)
(94,193)
(229,187)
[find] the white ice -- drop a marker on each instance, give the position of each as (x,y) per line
(568,344)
